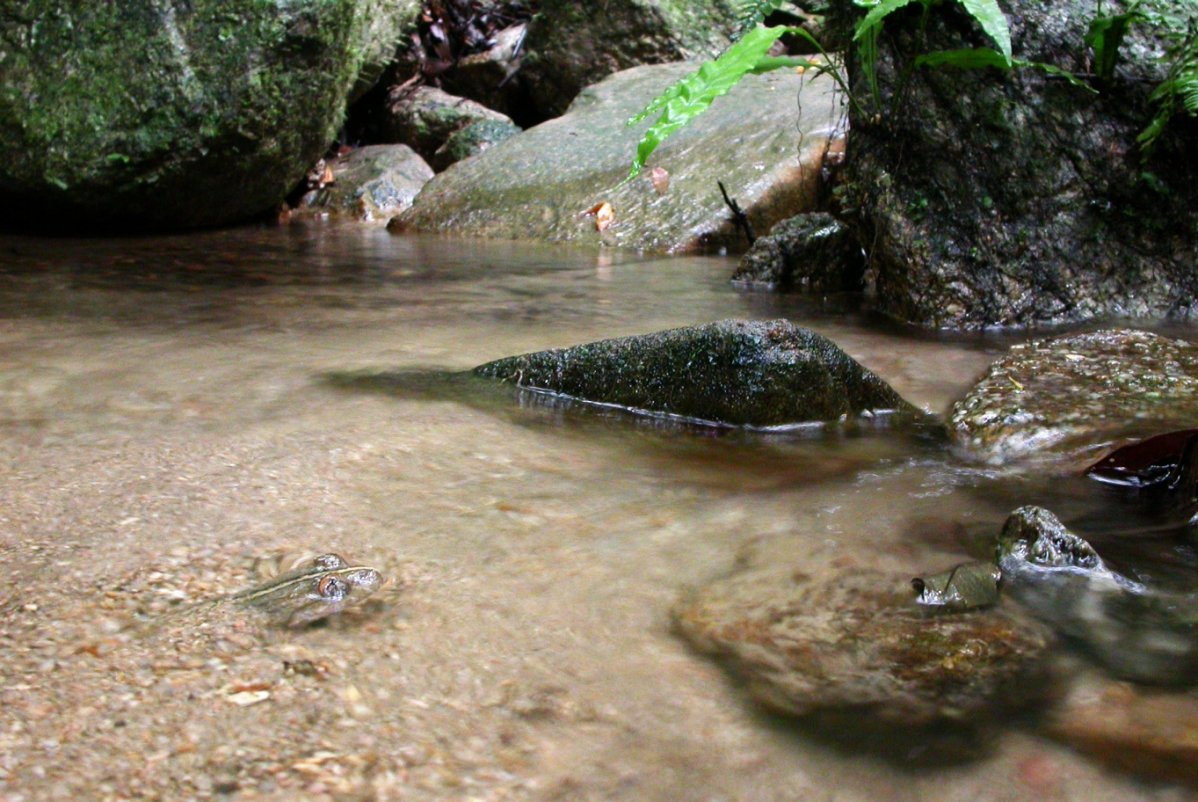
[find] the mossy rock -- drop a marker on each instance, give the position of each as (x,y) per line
(736,372)
(152,115)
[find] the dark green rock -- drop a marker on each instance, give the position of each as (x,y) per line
(173,114)
(425,117)
(1068,398)
(738,372)
(572,43)
(991,197)
(473,140)
(968,586)
(811,252)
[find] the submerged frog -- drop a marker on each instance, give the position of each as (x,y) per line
(319,587)
(322,587)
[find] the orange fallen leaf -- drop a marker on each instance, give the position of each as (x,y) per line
(604,215)
(660,178)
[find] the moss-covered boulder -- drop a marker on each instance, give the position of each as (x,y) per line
(152,115)
(573,43)
(539,184)
(811,252)
(1068,398)
(738,372)
(473,140)
(990,197)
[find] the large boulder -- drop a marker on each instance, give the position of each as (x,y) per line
(172,114)
(737,372)
(1067,398)
(990,197)
(537,185)
(572,43)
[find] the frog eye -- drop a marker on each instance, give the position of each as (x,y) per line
(331,588)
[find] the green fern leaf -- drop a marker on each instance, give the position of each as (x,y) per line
(993,22)
(691,96)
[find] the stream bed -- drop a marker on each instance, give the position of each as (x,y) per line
(169,414)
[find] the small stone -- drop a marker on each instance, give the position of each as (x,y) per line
(247,698)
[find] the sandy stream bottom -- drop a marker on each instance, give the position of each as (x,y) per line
(155,440)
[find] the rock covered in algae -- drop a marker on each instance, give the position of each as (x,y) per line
(738,372)
(854,641)
(1136,632)
(1059,397)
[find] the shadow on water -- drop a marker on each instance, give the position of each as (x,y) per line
(692,451)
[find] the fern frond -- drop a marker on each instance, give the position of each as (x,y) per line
(750,13)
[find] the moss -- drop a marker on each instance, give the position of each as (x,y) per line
(215,108)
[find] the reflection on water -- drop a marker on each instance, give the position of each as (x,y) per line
(168,402)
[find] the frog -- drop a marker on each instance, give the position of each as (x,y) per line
(322,587)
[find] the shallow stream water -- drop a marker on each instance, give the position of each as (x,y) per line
(172,407)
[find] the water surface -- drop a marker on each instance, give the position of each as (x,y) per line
(166,414)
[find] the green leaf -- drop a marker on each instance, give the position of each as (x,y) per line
(750,12)
(977,58)
(1106,37)
(691,96)
(993,22)
(877,13)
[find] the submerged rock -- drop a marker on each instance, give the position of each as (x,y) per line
(572,44)
(855,642)
(738,372)
(812,252)
(1139,633)
(540,184)
(1010,197)
(1151,733)
(155,115)
(1061,397)
(370,184)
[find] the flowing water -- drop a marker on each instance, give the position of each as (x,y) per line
(172,407)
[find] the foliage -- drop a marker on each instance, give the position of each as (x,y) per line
(1105,37)
(692,95)
(751,13)
(1178,91)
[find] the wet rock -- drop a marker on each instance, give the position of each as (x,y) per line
(1013,198)
(1068,396)
(571,44)
(738,372)
(813,252)
(1147,732)
(149,115)
(854,641)
(391,23)
(370,184)
(473,140)
(425,117)
(1138,633)
(538,185)
(968,586)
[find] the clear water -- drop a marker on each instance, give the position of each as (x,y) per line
(163,400)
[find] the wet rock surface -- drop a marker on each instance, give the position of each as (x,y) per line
(145,115)
(538,185)
(812,252)
(424,117)
(1013,198)
(1062,397)
(743,373)
(571,46)
(1140,633)
(854,642)
(370,184)
(473,140)
(1142,731)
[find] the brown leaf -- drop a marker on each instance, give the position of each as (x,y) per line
(660,178)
